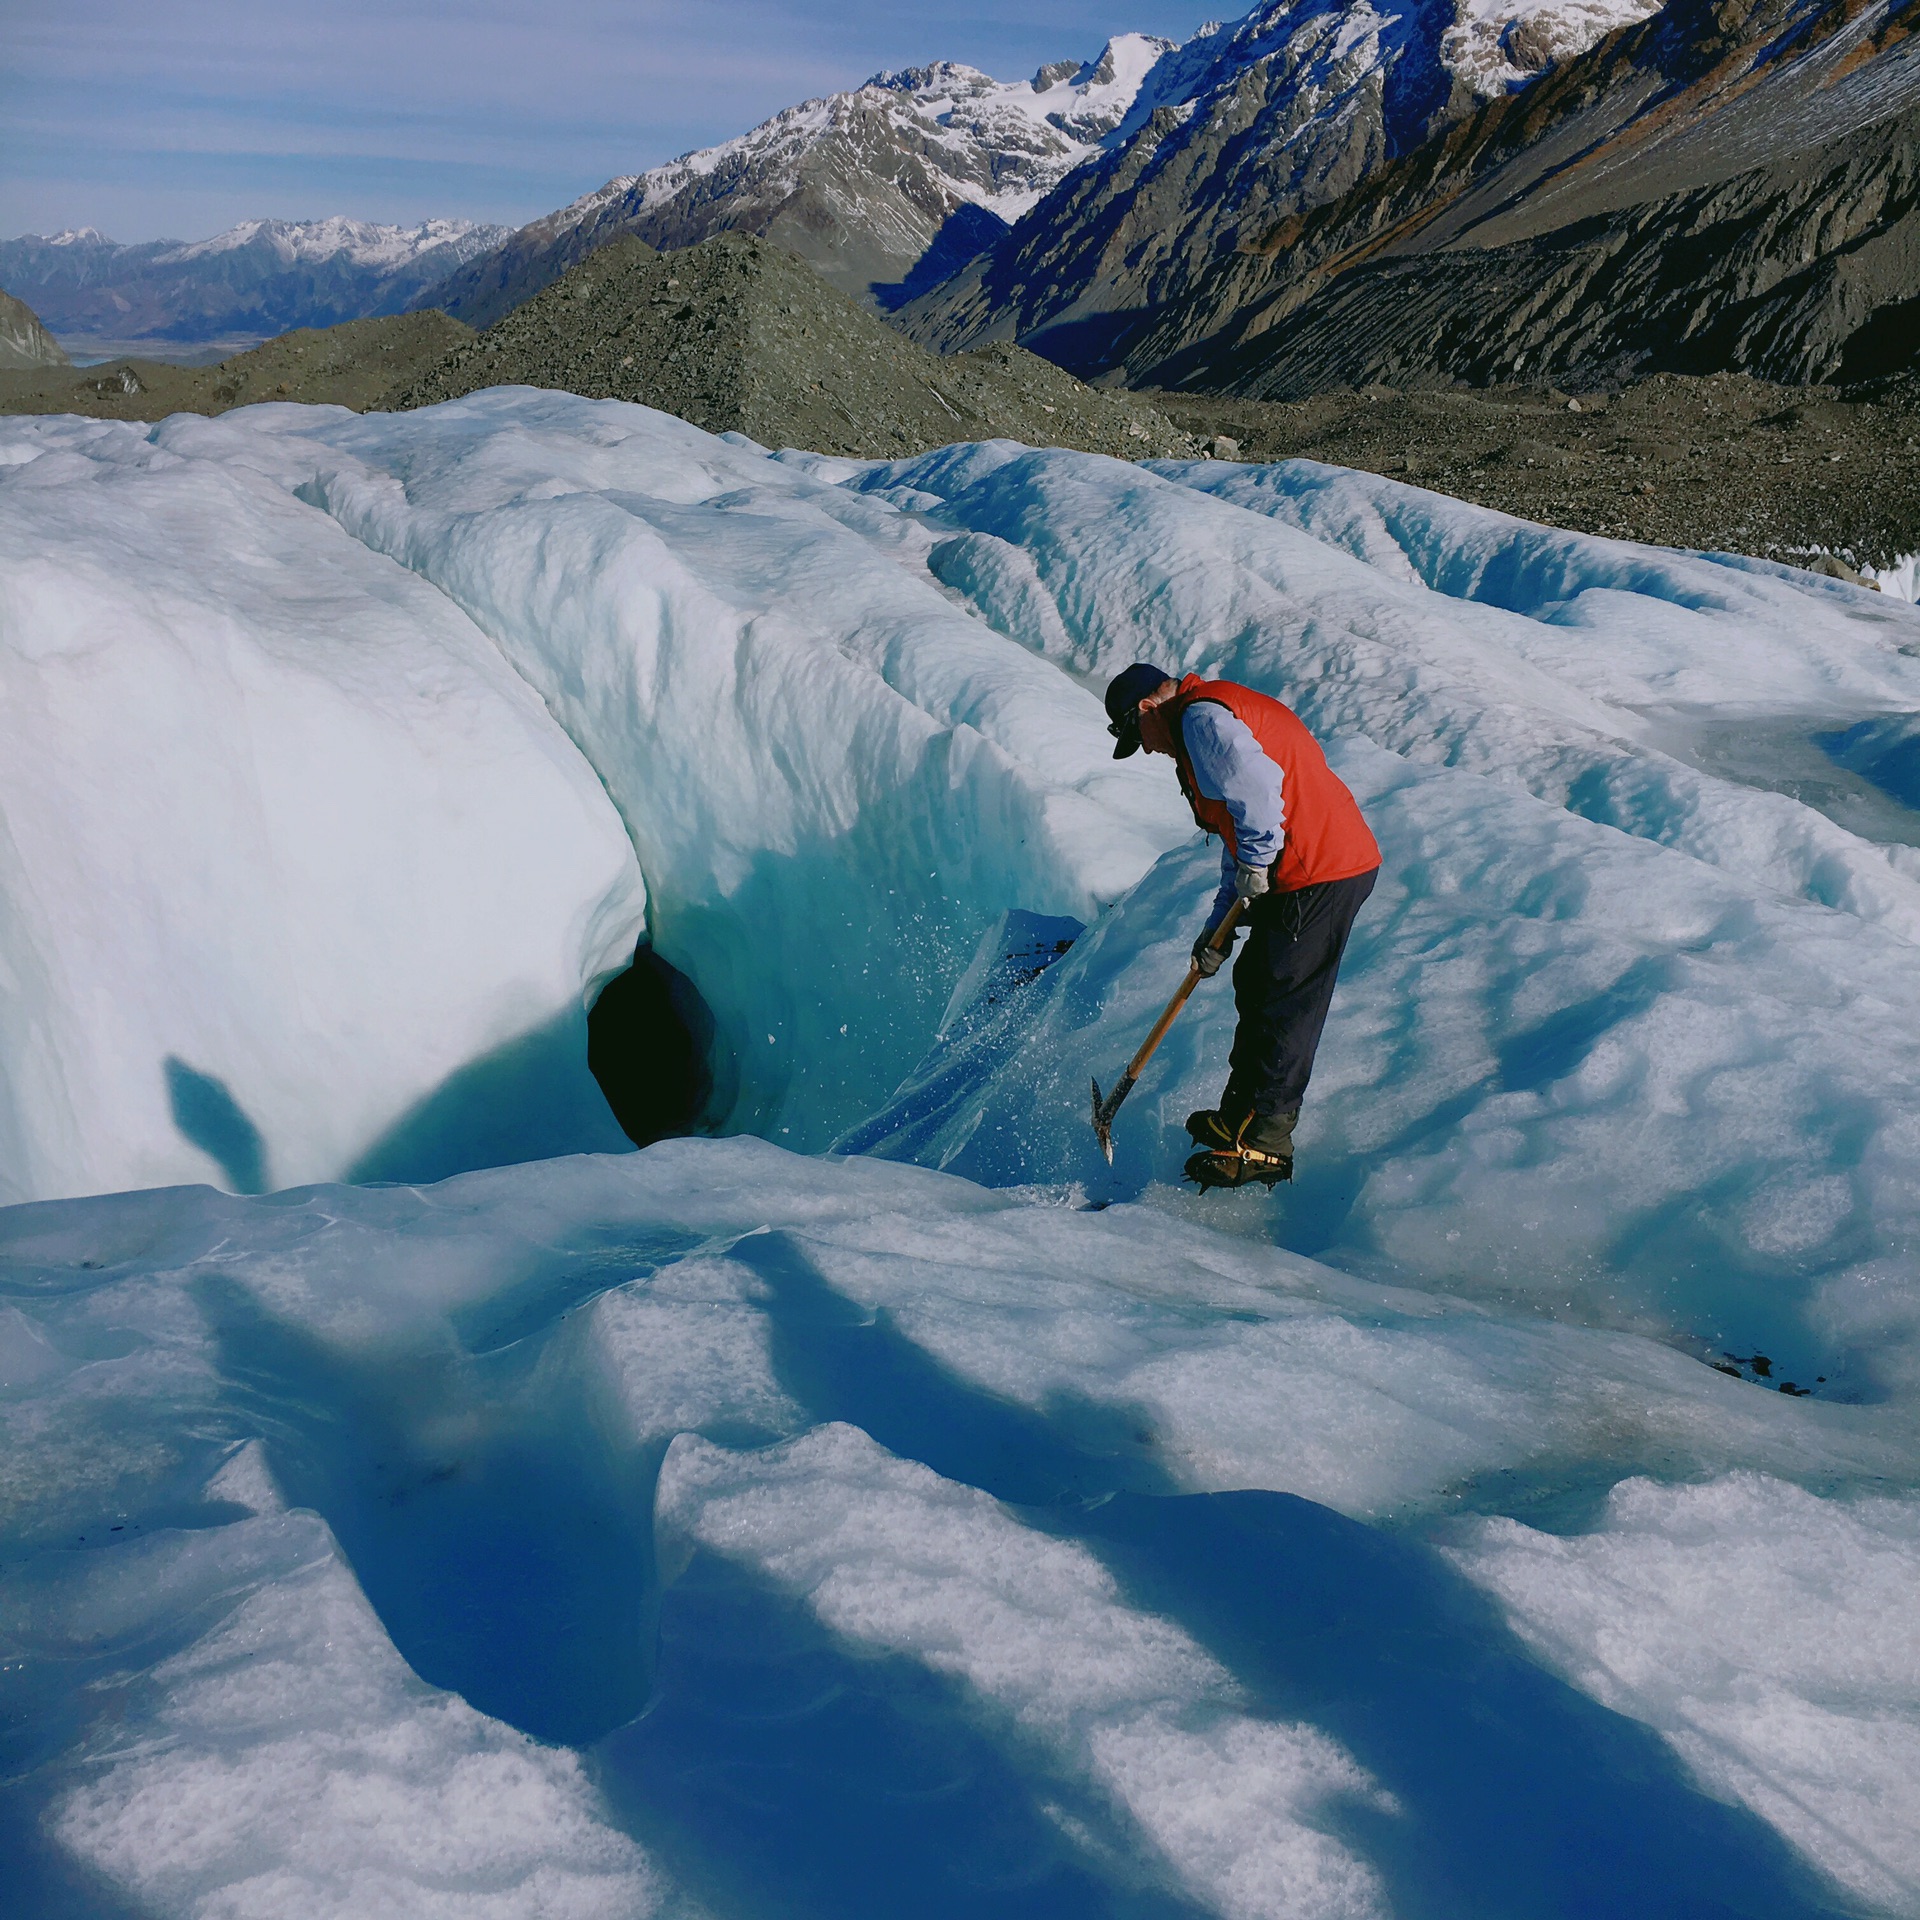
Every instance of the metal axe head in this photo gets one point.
(1102, 1124)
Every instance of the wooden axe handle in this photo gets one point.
(1222, 935)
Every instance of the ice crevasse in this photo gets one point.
(1433, 1538)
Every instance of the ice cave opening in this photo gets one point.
(651, 1043)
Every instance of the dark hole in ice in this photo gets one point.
(650, 1042)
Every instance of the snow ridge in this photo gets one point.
(1004, 144)
(364, 243)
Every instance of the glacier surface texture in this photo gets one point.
(414, 1503)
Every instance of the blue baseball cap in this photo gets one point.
(1125, 691)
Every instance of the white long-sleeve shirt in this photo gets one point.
(1229, 766)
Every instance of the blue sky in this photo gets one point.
(180, 117)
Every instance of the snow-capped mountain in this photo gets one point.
(1273, 114)
(360, 242)
(912, 170)
(995, 144)
(1495, 47)
(256, 279)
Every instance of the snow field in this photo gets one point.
(1006, 1492)
(1214, 1368)
(509, 1355)
(1568, 1067)
(290, 1762)
(891, 1556)
(1768, 1634)
(1448, 633)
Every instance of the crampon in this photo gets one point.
(1238, 1167)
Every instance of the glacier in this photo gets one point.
(878, 1503)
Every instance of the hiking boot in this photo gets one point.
(1220, 1126)
(1238, 1167)
(1229, 1125)
(1239, 1149)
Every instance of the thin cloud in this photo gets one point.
(156, 118)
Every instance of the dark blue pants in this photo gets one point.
(1282, 987)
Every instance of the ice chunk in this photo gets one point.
(1901, 579)
(246, 1480)
(1769, 1634)
(286, 848)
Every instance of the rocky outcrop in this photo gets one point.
(738, 335)
(883, 190)
(24, 342)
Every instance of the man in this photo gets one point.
(1300, 856)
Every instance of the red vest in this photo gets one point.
(1326, 838)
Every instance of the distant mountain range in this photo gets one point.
(260, 278)
(1070, 211)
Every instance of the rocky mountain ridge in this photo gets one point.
(738, 335)
(1292, 107)
(883, 188)
(1729, 186)
(24, 342)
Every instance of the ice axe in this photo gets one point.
(1104, 1110)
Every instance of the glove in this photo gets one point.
(1208, 958)
(1250, 882)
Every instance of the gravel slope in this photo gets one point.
(737, 335)
(358, 365)
(1722, 462)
